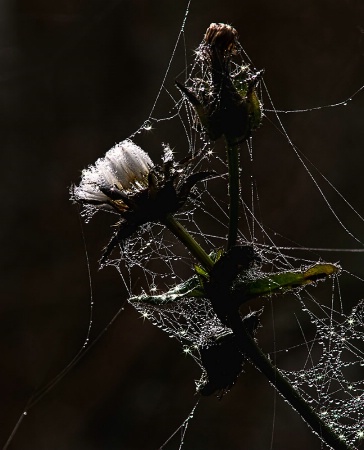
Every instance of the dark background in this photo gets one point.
(77, 76)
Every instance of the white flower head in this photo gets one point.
(125, 181)
(124, 168)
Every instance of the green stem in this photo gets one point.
(183, 235)
(248, 345)
(233, 165)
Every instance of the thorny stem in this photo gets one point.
(184, 236)
(233, 164)
(250, 348)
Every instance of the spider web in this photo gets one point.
(326, 363)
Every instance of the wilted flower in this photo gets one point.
(226, 104)
(222, 37)
(126, 181)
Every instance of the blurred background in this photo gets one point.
(78, 76)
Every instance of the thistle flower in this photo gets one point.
(126, 181)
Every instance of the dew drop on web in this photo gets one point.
(147, 126)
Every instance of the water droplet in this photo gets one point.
(147, 126)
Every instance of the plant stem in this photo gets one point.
(233, 165)
(184, 236)
(250, 348)
(246, 342)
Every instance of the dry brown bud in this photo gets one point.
(221, 36)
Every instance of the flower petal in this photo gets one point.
(125, 166)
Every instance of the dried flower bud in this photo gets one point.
(225, 101)
(221, 36)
